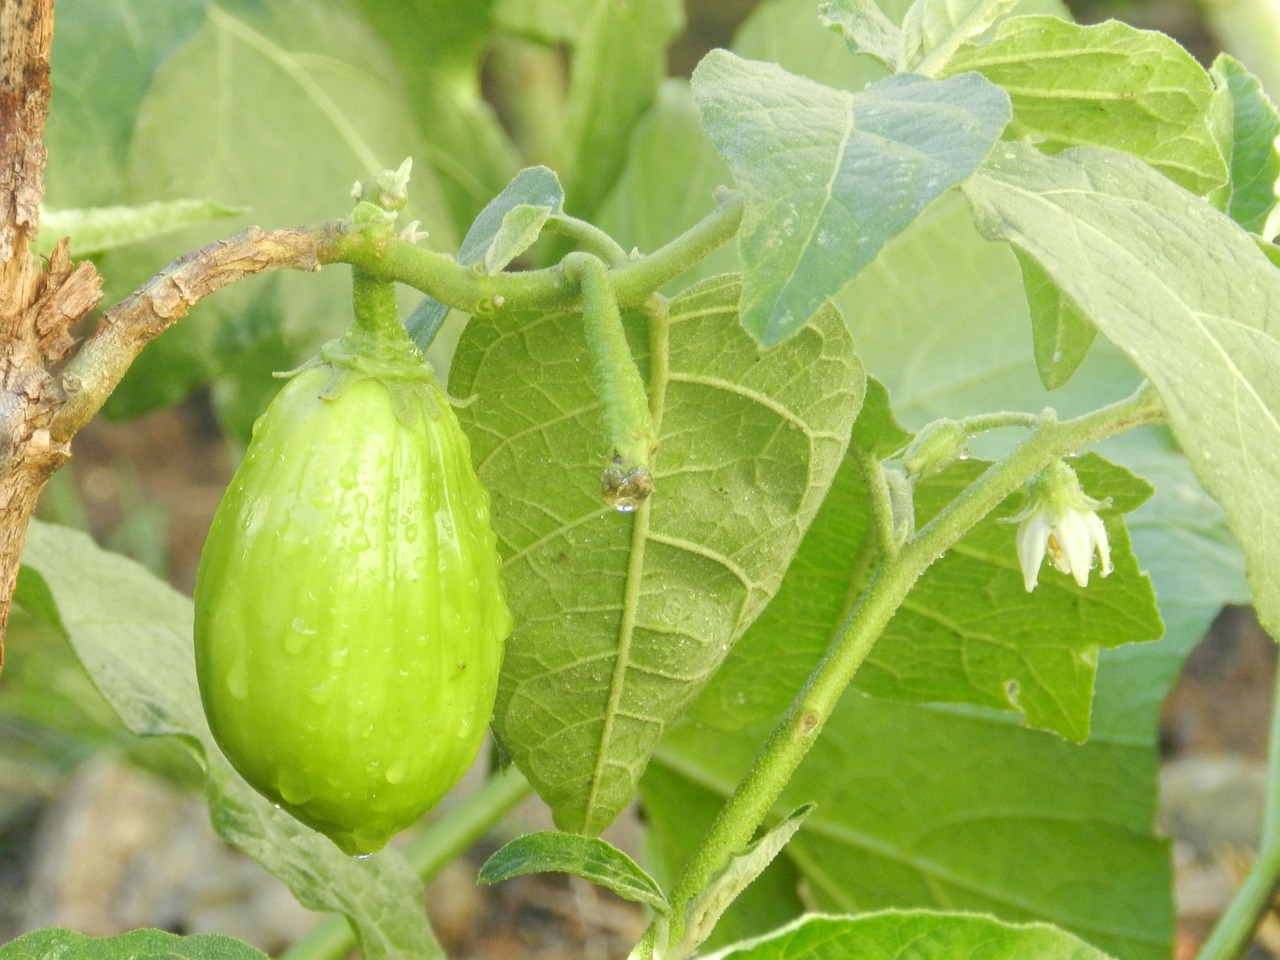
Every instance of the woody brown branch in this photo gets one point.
(30, 297)
(98, 366)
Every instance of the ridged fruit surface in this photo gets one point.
(349, 620)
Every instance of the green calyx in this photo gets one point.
(361, 354)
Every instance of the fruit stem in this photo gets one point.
(375, 307)
(628, 422)
(446, 838)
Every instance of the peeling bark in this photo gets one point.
(28, 457)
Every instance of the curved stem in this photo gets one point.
(460, 287)
(753, 799)
(982, 422)
(436, 846)
(589, 237)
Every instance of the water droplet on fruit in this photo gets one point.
(294, 786)
(396, 773)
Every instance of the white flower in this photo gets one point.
(1061, 521)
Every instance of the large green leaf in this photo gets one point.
(621, 618)
(1185, 293)
(133, 634)
(335, 114)
(957, 809)
(940, 318)
(968, 632)
(828, 177)
(134, 945)
(1104, 85)
(913, 935)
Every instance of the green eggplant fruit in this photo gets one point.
(349, 619)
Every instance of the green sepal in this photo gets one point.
(396, 364)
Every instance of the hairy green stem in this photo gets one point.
(374, 304)
(589, 238)
(982, 422)
(879, 499)
(464, 288)
(628, 423)
(751, 803)
(436, 846)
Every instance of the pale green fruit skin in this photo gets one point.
(349, 619)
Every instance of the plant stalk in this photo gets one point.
(441, 276)
(752, 801)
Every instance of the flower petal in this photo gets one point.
(1033, 540)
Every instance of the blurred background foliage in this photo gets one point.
(269, 109)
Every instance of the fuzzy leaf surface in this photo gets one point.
(968, 631)
(940, 318)
(554, 851)
(933, 29)
(865, 28)
(133, 634)
(621, 618)
(913, 935)
(828, 176)
(1186, 294)
(1253, 150)
(1107, 85)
